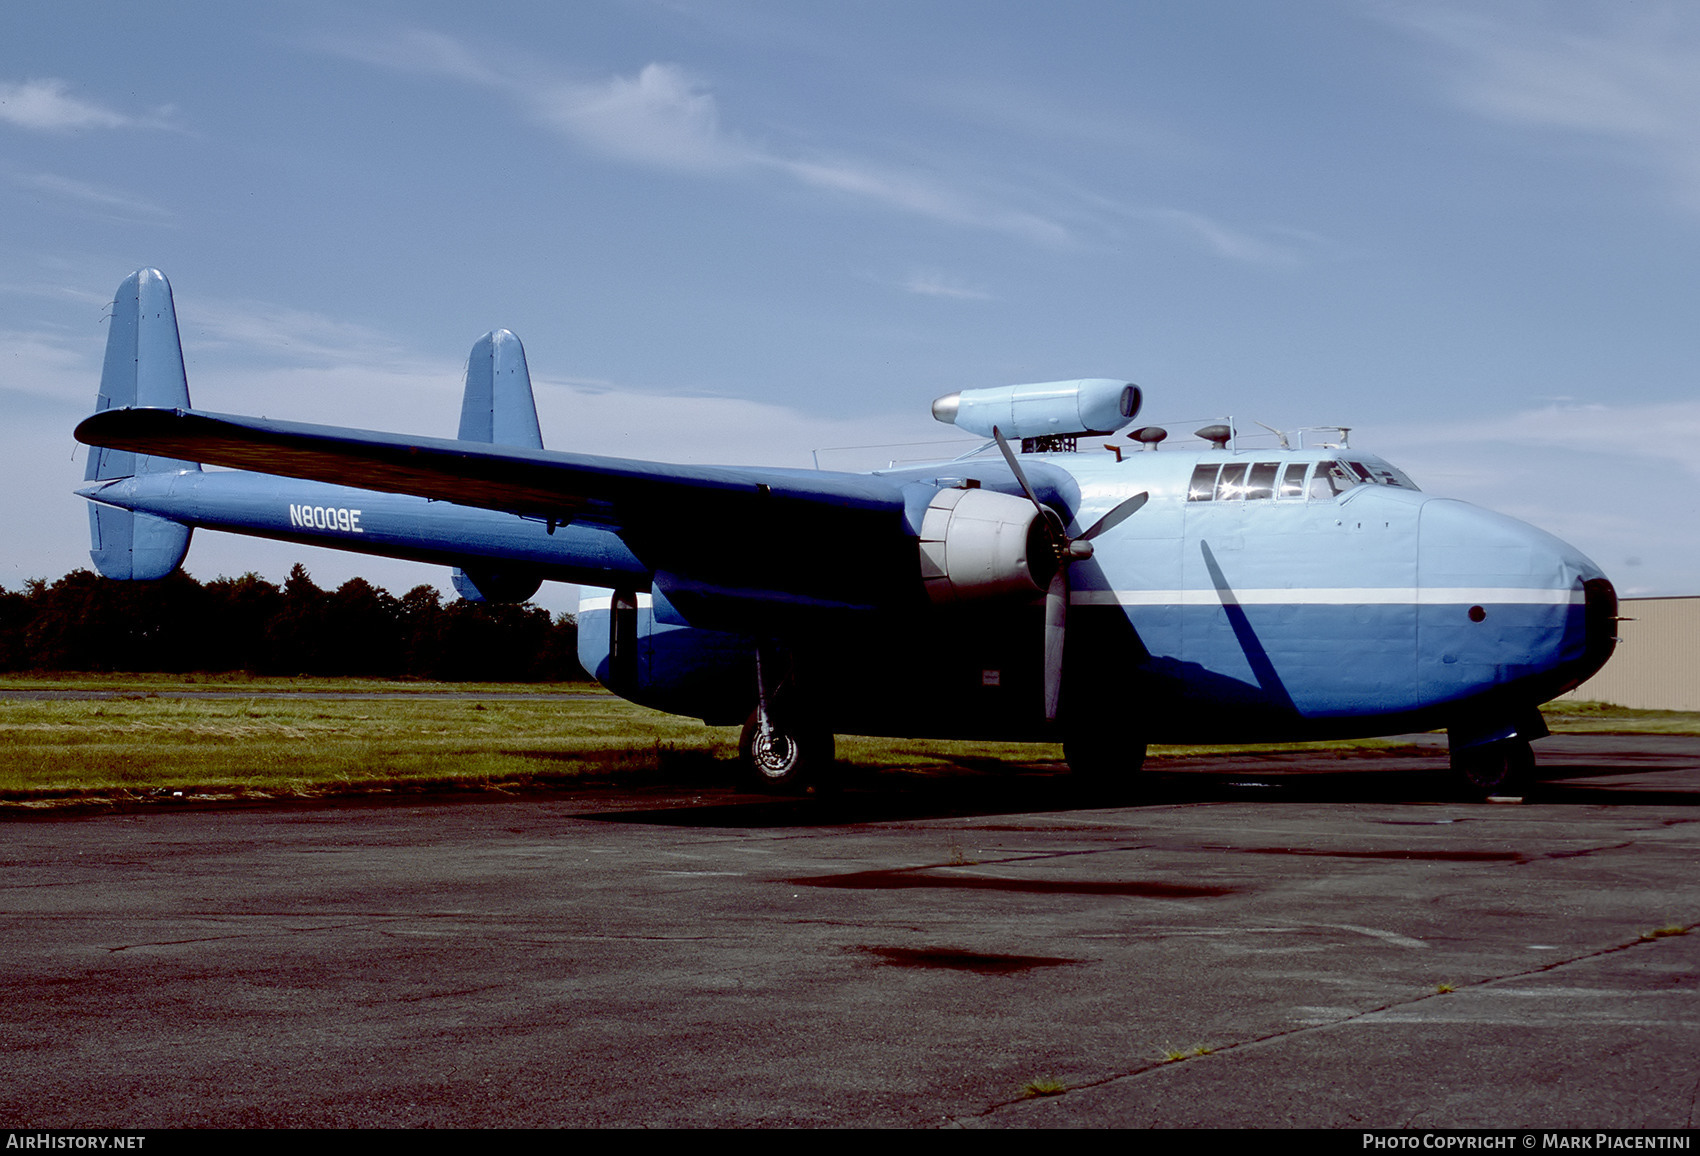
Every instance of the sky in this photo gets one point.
(743, 231)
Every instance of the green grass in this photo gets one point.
(145, 742)
(309, 746)
(273, 684)
(1666, 931)
(142, 742)
(1598, 718)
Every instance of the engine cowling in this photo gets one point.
(979, 544)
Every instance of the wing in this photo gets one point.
(729, 545)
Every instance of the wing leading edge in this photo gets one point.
(729, 545)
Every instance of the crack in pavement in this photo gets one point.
(1273, 1037)
(232, 935)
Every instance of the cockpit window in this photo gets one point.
(1250, 481)
(1203, 485)
(1293, 480)
(1262, 481)
(1331, 479)
(1231, 485)
(1382, 474)
(1334, 478)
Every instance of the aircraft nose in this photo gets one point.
(1501, 602)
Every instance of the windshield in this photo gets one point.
(1289, 481)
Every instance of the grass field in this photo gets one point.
(143, 742)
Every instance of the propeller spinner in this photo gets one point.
(1068, 550)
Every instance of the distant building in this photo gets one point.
(1657, 664)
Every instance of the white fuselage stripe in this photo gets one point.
(1311, 596)
(1337, 596)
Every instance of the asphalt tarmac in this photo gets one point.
(1282, 941)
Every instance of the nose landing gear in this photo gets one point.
(1502, 768)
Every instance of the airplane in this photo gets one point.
(1214, 594)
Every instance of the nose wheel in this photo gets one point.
(1502, 768)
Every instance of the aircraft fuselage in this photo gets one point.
(1276, 616)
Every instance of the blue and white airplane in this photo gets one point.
(1207, 595)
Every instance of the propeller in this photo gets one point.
(1068, 550)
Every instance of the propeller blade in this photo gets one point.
(1015, 467)
(1115, 517)
(1068, 550)
(1056, 631)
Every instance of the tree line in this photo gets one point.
(84, 622)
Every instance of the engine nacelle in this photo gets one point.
(1092, 405)
(982, 544)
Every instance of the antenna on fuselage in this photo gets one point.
(1342, 430)
(1217, 435)
(1149, 436)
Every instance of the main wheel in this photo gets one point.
(1102, 766)
(780, 758)
(1505, 768)
(1100, 759)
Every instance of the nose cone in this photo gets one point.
(1502, 605)
(946, 407)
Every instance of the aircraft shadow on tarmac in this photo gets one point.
(1005, 789)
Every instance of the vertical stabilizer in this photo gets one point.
(498, 409)
(143, 367)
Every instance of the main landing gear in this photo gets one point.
(781, 749)
(1104, 761)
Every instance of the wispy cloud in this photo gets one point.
(921, 196)
(664, 117)
(1277, 245)
(1630, 80)
(93, 197)
(47, 106)
(1658, 430)
(49, 363)
(931, 284)
(659, 117)
(1222, 239)
(265, 331)
(1616, 480)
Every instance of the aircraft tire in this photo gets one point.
(1505, 768)
(785, 761)
(1104, 762)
